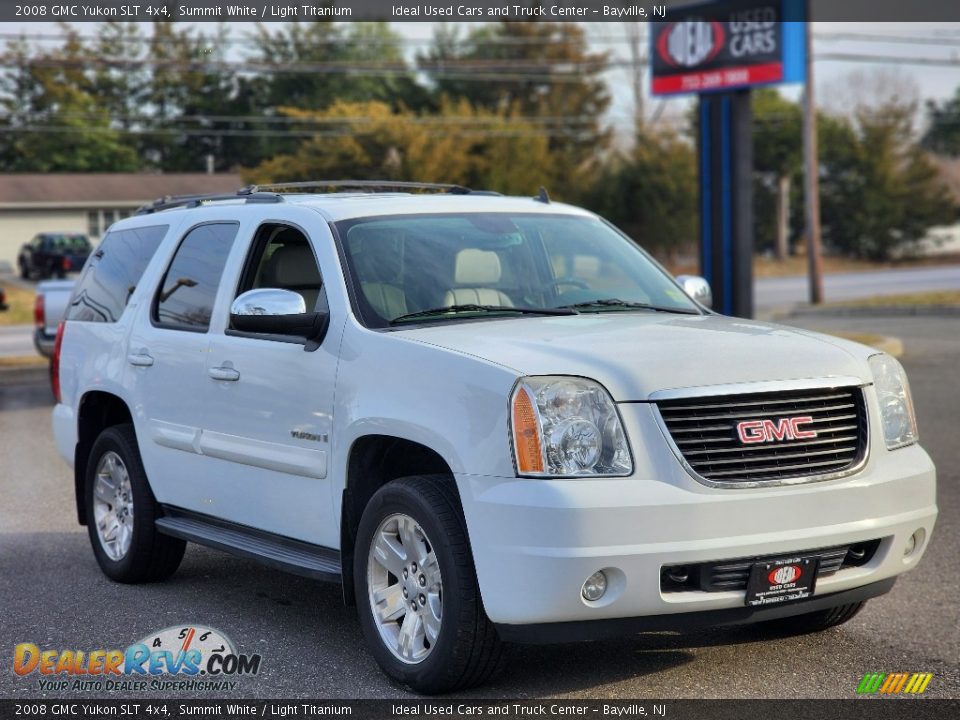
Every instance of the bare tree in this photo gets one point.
(871, 89)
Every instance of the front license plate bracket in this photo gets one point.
(783, 580)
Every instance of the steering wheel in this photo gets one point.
(576, 282)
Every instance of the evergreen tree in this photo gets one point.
(53, 120)
(943, 134)
(651, 193)
(555, 77)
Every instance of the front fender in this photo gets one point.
(455, 404)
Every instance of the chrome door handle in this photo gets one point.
(140, 359)
(224, 373)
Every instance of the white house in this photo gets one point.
(88, 203)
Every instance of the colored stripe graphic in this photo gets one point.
(894, 683)
(871, 683)
(918, 683)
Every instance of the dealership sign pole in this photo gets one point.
(720, 51)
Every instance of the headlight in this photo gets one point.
(896, 405)
(567, 427)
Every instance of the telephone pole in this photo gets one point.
(812, 175)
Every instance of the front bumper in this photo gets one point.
(536, 541)
(564, 632)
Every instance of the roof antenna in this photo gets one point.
(543, 196)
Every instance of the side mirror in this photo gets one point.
(271, 311)
(697, 288)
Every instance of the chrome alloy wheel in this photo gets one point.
(405, 588)
(113, 506)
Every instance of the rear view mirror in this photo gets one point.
(272, 311)
(697, 288)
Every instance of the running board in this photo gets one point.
(283, 553)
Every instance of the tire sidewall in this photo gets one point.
(387, 501)
(117, 439)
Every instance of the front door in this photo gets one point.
(269, 402)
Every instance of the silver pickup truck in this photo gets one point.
(50, 306)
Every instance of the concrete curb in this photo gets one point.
(878, 311)
(890, 345)
(22, 361)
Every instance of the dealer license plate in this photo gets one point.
(783, 580)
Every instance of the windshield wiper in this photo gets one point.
(471, 307)
(618, 303)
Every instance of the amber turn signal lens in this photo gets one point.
(526, 436)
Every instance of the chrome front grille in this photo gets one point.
(738, 439)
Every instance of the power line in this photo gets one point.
(475, 70)
(229, 132)
(347, 40)
(283, 119)
(568, 72)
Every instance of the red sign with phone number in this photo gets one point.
(697, 81)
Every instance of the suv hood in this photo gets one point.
(636, 354)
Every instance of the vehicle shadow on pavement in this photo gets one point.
(547, 670)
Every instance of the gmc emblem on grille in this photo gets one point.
(763, 431)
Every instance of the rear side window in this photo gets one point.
(185, 299)
(112, 273)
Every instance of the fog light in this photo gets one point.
(856, 554)
(595, 586)
(914, 543)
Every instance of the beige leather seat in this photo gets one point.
(388, 300)
(474, 273)
(378, 268)
(293, 267)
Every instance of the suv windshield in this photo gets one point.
(436, 268)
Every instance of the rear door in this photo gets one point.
(166, 363)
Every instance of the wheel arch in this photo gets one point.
(372, 462)
(97, 411)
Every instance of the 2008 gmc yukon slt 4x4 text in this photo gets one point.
(493, 419)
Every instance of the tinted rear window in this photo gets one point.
(70, 243)
(186, 296)
(112, 273)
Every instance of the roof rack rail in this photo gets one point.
(170, 202)
(368, 185)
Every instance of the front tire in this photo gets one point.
(416, 588)
(121, 511)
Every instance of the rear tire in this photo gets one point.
(121, 513)
(812, 622)
(429, 630)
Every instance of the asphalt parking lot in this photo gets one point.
(53, 594)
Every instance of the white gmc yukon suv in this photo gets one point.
(492, 419)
